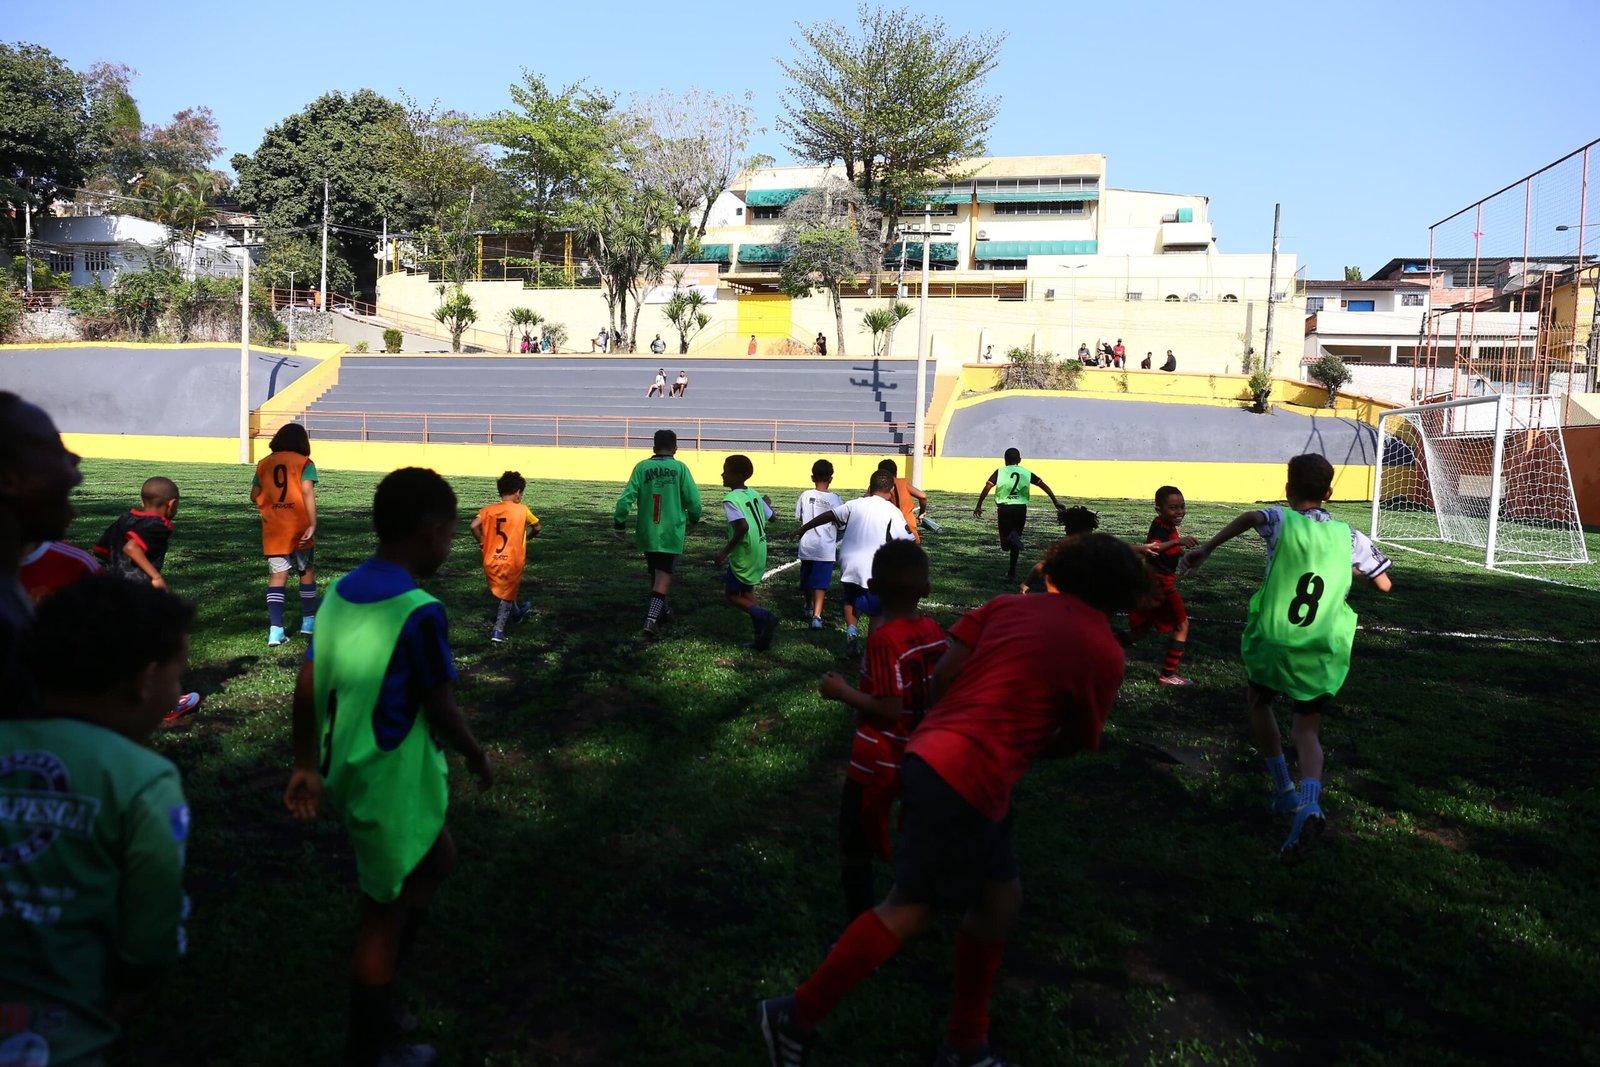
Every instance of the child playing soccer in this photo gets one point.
(1077, 522)
(502, 531)
(134, 547)
(375, 692)
(1300, 630)
(1009, 696)
(748, 513)
(889, 703)
(1165, 612)
(869, 523)
(285, 489)
(1011, 485)
(668, 501)
(911, 501)
(93, 823)
(819, 545)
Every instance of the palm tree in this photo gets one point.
(179, 201)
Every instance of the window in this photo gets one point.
(1004, 264)
(913, 209)
(94, 262)
(759, 213)
(1358, 305)
(1048, 207)
(60, 262)
(1314, 304)
(1411, 300)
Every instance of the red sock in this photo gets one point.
(865, 945)
(1174, 657)
(977, 961)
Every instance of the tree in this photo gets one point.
(180, 202)
(46, 144)
(686, 310)
(694, 145)
(455, 312)
(300, 257)
(1331, 373)
(446, 173)
(898, 100)
(552, 145)
(880, 322)
(831, 238)
(520, 320)
(1352, 274)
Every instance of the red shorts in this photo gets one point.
(1165, 615)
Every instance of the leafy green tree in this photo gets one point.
(1331, 373)
(831, 238)
(455, 312)
(686, 310)
(446, 173)
(897, 99)
(520, 320)
(44, 279)
(693, 145)
(11, 314)
(1352, 274)
(302, 256)
(46, 142)
(880, 322)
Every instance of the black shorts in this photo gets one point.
(850, 592)
(947, 850)
(1318, 706)
(661, 561)
(1011, 519)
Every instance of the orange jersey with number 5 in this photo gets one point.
(505, 546)
(278, 493)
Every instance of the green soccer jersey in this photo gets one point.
(748, 560)
(668, 500)
(1300, 630)
(1012, 483)
(92, 832)
(393, 799)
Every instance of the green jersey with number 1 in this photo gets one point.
(1300, 630)
(668, 501)
(748, 560)
(1011, 484)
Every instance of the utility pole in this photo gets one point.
(291, 311)
(324, 305)
(919, 436)
(244, 353)
(1272, 290)
(27, 245)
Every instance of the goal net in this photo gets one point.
(1485, 472)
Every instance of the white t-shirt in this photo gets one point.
(823, 542)
(869, 524)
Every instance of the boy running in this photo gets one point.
(911, 501)
(999, 709)
(819, 546)
(889, 703)
(1011, 485)
(285, 489)
(93, 823)
(502, 531)
(375, 692)
(1300, 630)
(869, 524)
(1165, 612)
(668, 501)
(748, 513)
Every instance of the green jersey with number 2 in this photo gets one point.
(1298, 637)
(1012, 483)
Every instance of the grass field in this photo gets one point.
(658, 853)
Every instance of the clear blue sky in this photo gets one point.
(1369, 121)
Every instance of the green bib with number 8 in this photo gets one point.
(1298, 637)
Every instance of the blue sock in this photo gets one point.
(759, 616)
(275, 605)
(308, 600)
(851, 631)
(1279, 769)
(1310, 791)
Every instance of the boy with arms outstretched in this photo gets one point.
(1009, 695)
(870, 522)
(375, 691)
(1300, 630)
(748, 513)
(1164, 611)
(668, 501)
(889, 702)
(285, 490)
(93, 824)
(502, 531)
(1011, 485)
(820, 544)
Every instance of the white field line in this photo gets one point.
(1485, 567)
(780, 570)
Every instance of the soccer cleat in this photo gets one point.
(764, 634)
(651, 629)
(186, 706)
(1286, 802)
(307, 624)
(816, 622)
(787, 1046)
(852, 644)
(275, 636)
(522, 611)
(1173, 679)
(950, 1056)
(497, 636)
(1309, 822)
(408, 1056)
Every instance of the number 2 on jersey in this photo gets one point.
(1016, 480)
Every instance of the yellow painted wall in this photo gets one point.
(766, 315)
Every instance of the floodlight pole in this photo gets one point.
(920, 434)
(324, 305)
(244, 354)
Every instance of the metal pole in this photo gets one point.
(27, 246)
(291, 311)
(244, 354)
(324, 305)
(1497, 475)
(1377, 474)
(919, 435)
(1272, 290)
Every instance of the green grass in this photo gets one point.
(659, 850)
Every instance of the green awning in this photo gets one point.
(710, 254)
(772, 197)
(938, 252)
(1023, 249)
(762, 254)
(1035, 196)
(914, 204)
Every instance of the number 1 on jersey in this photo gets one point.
(655, 508)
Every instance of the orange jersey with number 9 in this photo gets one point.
(505, 546)
(278, 493)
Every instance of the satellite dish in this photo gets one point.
(1194, 298)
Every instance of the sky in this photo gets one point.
(1367, 121)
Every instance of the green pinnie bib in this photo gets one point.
(1298, 637)
(748, 560)
(1012, 484)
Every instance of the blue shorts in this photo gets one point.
(732, 585)
(815, 574)
(857, 597)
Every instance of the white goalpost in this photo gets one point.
(1486, 472)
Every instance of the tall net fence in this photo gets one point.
(1513, 306)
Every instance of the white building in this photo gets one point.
(102, 246)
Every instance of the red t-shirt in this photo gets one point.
(899, 662)
(52, 567)
(1040, 666)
